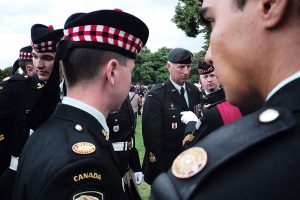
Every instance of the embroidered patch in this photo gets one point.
(87, 175)
(88, 195)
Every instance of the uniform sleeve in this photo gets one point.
(134, 161)
(87, 178)
(153, 133)
(6, 109)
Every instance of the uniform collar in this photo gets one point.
(178, 87)
(283, 83)
(89, 109)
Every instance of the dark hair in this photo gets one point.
(132, 88)
(83, 64)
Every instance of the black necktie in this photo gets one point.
(182, 93)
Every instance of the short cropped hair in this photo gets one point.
(83, 64)
(24, 63)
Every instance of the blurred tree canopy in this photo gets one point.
(5, 73)
(151, 67)
(187, 18)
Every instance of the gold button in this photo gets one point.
(268, 116)
(78, 127)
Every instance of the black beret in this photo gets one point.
(44, 38)
(180, 56)
(204, 68)
(112, 30)
(25, 53)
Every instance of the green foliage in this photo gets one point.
(144, 188)
(151, 67)
(5, 73)
(187, 18)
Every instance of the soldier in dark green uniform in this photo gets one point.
(254, 46)
(18, 96)
(162, 127)
(122, 136)
(70, 155)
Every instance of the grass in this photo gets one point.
(144, 188)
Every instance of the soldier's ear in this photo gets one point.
(272, 12)
(111, 71)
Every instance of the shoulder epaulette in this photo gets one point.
(17, 77)
(158, 86)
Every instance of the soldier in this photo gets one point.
(25, 62)
(70, 156)
(17, 97)
(254, 46)
(121, 128)
(162, 128)
(214, 111)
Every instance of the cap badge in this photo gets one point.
(268, 115)
(189, 162)
(83, 148)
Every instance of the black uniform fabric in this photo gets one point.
(248, 159)
(121, 130)
(17, 96)
(4, 154)
(213, 98)
(210, 115)
(163, 130)
(50, 169)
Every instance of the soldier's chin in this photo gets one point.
(43, 78)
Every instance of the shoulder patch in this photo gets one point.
(93, 195)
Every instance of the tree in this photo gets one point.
(5, 73)
(187, 18)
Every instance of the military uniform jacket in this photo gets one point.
(121, 130)
(17, 96)
(67, 157)
(162, 128)
(256, 157)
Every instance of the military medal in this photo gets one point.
(83, 148)
(189, 162)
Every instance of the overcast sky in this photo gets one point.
(17, 17)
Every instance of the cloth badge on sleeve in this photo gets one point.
(88, 195)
